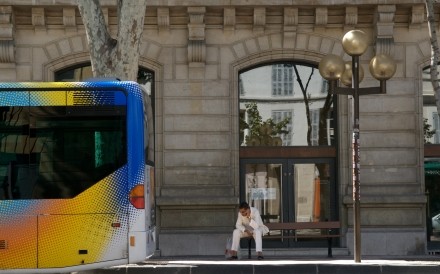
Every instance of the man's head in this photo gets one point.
(244, 209)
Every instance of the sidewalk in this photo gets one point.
(298, 265)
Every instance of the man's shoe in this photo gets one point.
(260, 257)
(233, 258)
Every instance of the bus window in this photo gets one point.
(79, 151)
(17, 173)
(47, 152)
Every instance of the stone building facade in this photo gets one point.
(197, 49)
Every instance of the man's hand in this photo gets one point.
(248, 233)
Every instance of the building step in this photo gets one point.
(297, 252)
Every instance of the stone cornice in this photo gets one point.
(196, 35)
(6, 35)
(230, 3)
(163, 19)
(260, 18)
(385, 29)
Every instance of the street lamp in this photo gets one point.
(333, 68)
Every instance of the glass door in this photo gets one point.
(312, 191)
(290, 190)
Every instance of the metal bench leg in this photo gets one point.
(249, 247)
(329, 252)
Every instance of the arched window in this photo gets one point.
(431, 119)
(285, 104)
(287, 144)
(83, 71)
(431, 137)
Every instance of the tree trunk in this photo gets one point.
(435, 51)
(323, 115)
(111, 57)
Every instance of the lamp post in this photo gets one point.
(350, 74)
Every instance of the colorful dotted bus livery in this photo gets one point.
(74, 183)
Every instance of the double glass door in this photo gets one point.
(290, 190)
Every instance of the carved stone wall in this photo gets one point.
(197, 50)
(6, 35)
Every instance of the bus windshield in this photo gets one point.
(57, 152)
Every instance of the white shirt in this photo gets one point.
(254, 221)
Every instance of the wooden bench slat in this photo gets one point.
(303, 225)
(301, 236)
(327, 226)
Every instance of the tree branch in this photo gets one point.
(306, 103)
(435, 51)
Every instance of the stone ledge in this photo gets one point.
(177, 3)
(401, 199)
(197, 201)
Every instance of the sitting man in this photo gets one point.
(248, 224)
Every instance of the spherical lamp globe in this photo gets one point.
(331, 67)
(355, 42)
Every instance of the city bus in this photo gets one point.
(76, 176)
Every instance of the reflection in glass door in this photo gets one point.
(290, 191)
(311, 192)
(263, 188)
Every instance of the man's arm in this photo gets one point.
(257, 218)
(239, 224)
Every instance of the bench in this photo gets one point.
(327, 231)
